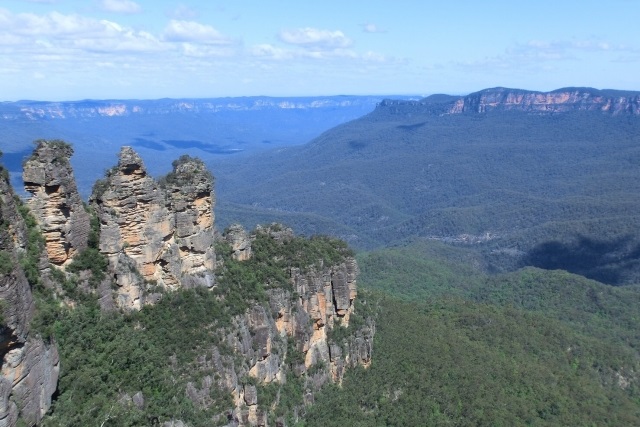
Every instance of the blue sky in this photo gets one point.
(101, 49)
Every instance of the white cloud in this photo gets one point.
(372, 28)
(120, 6)
(205, 51)
(190, 31)
(564, 49)
(315, 38)
(270, 52)
(80, 54)
(56, 34)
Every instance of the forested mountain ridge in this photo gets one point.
(512, 172)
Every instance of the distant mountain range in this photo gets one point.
(36, 110)
(161, 130)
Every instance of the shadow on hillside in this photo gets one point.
(614, 262)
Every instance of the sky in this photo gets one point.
(59, 50)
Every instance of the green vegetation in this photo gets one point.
(186, 176)
(63, 150)
(6, 263)
(4, 172)
(30, 260)
(159, 350)
(539, 184)
(453, 362)
(243, 283)
(107, 356)
(455, 346)
(90, 258)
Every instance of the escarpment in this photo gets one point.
(163, 229)
(29, 365)
(307, 331)
(505, 99)
(55, 202)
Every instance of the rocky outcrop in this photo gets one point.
(303, 331)
(151, 232)
(326, 302)
(505, 99)
(55, 202)
(29, 366)
(190, 192)
(557, 101)
(161, 234)
(240, 242)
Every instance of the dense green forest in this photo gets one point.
(453, 346)
(529, 185)
(457, 347)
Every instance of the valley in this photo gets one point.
(495, 249)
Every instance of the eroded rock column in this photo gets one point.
(156, 232)
(55, 202)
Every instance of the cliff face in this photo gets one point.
(190, 192)
(164, 231)
(29, 366)
(35, 110)
(55, 202)
(297, 334)
(504, 99)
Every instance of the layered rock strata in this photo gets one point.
(29, 365)
(156, 233)
(55, 202)
(504, 99)
(294, 334)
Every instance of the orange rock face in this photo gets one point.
(55, 202)
(165, 228)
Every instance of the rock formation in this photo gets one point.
(29, 365)
(156, 233)
(55, 202)
(505, 99)
(301, 318)
(161, 234)
(240, 242)
(190, 192)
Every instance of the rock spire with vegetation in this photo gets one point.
(156, 232)
(55, 202)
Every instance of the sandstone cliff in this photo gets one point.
(505, 99)
(153, 233)
(29, 365)
(55, 202)
(300, 333)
